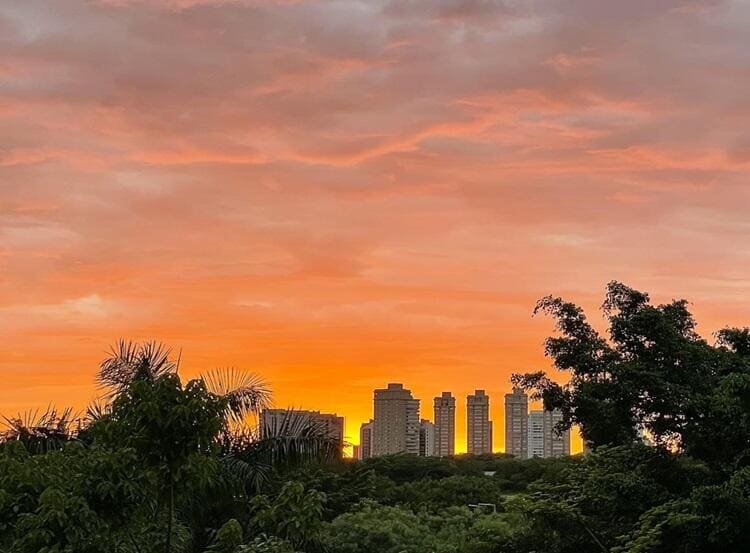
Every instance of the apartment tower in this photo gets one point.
(445, 424)
(556, 443)
(478, 424)
(365, 440)
(426, 438)
(536, 434)
(396, 423)
(516, 423)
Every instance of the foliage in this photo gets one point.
(76, 498)
(150, 470)
(295, 515)
(654, 373)
(266, 544)
(40, 432)
(163, 465)
(228, 539)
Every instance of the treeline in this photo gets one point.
(167, 466)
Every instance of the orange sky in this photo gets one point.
(341, 194)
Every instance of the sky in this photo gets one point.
(337, 195)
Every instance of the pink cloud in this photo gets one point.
(373, 187)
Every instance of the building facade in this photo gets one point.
(556, 443)
(536, 434)
(426, 438)
(396, 421)
(478, 424)
(516, 423)
(445, 424)
(365, 440)
(544, 439)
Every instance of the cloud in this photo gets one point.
(375, 187)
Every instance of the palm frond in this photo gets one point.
(281, 440)
(127, 361)
(39, 431)
(97, 410)
(297, 438)
(253, 475)
(292, 437)
(246, 393)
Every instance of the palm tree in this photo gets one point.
(128, 361)
(255, 453)
(249, 454)
(245, 394)
(40, 432)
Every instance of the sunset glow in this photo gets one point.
(338, 195)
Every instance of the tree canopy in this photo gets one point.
(163, 465)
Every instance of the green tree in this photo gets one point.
(654, 372)
(73, 499)
(169, 427)
(160, 465)
(295, 515)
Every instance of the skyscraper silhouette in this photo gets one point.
(516, 423)
(478, 424)
(445, 424)
(396, 422)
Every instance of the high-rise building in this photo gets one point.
(365, 440)
(556, 443)
(445, 424)
(535, 434)
(478, 424)
(543, 439)
(396, 422)
(516, 423)
(426, 438)
(274, 422)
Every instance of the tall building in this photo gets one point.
(516, 423)
(535, 434)
(278, 421)
(479, 426)
(396, 422)
(556, 443)
(365, 440)
(426, 438)
(445, 424)
(544, 441)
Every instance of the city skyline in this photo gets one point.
(318, 189)
(399, 426)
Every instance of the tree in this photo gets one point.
(169, 427)
(157, 465)
(654, 373)
(40, 432)
(177, 429)
(295, 515)
(71, 499)
(713, 518)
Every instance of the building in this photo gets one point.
(445, 424)
(365, 440)
(426, 438)
(478, 424)
(556, 443)
(396, 422)
(276, 422)
(536, 434)
(516, 423)
(544, 440)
